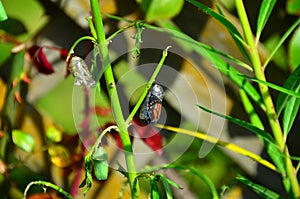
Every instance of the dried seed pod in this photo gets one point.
(80, 71)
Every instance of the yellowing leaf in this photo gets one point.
(59, 156)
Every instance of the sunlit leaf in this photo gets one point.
(264, 192)
(23, 140)
(161, 9)
(54, 134)
(294, 49)
(264, 14)
(100, 160)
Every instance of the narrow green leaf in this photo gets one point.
(218, 17)
(276, 155)
(260, 190)
(282, 40)
(212, 55)
(230, 27)
(100, 160)
(154, 188)
(280, 57)
(23, 140)
(276, 87)
(236, 40)
(88, 180)
(253, 116)
(290, 113)
(265, 135)
(191, 170)
(174, 184)
(241, 82)
(292, 83)
(167, 186)
(264, 14)
(190, 44)
(271, 149)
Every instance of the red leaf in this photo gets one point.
(102, 111)
(25, 78)
(150, 135)
(18, 97)
(40, 60)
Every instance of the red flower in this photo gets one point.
(40, 60)
(102, 111)
(149, 134)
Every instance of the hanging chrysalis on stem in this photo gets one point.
(80, 71)
(151, 108)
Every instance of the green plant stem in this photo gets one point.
(115, 103)
(99, 139)
(77, 42)
(259, 73)
(150, 82)
(47, 184)
(270, 110)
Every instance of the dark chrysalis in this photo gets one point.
(80, 71)
(151, 108)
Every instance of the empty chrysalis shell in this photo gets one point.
(80, 71)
